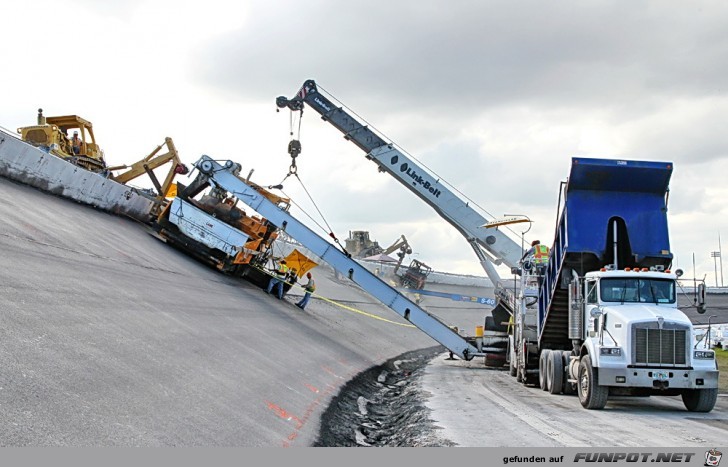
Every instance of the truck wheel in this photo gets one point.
(568, 387)
(591, 395)
(555, 374)
(495, 360)
(543, 358)
(700, 400)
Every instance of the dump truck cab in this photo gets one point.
(639, 340)
(55, 136)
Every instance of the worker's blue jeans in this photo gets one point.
(304, 300)
(273, 282)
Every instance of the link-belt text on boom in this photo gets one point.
(417, 178)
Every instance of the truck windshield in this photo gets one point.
(634, 290)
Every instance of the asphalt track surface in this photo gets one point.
(109, 337)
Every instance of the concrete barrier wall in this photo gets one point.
(27, 164)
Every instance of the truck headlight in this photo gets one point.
(611, 351)
(704, 354)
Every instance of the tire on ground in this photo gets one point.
(495, 360)
(542, 359)
(700, 400)
(556, 372)
(591, 395)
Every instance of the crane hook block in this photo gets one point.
(294, 148)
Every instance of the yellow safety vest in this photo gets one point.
(282, 270)
(540, 254)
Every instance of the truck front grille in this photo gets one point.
(652, 346)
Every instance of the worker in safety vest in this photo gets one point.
(277, 278)
(538, 255)
(310, 287)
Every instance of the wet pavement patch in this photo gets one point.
(383, 406)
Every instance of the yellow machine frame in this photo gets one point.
(148, 164)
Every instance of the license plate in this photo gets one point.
(660, 375)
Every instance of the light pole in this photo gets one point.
(715, 255)
(720, 251)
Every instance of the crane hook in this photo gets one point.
(294, 149)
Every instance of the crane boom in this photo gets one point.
(225, 177)
(490, 245)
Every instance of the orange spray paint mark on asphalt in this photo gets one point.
(285, 415)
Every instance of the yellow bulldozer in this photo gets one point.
(52, 134)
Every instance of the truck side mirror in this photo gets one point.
(701, 298)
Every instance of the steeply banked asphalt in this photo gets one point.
(110, 337)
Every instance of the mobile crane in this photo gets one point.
(568, 333)
(211, 226)
(224, 178)
(491, 246)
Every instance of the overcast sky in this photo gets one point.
(493, 96)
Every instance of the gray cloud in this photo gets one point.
(450, 56)
(496, 96)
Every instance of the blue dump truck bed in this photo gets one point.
(632, 193)
(605, 200)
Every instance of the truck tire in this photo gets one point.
(568, 388)
(700, 400)
(495, 360)
(543, 358)
(591, 395)
(555, 373)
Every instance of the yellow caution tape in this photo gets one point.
(341, 305)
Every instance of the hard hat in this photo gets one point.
(535, 242)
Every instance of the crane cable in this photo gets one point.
(328, 227)
(294, 149)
